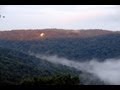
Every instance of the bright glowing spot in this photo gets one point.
(42, 35)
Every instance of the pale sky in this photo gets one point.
(60, 16)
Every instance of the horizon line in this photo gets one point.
(55, 29)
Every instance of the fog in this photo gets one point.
(107, 71)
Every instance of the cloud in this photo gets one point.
(107, 71)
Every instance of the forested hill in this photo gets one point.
(16, 66)
(38, 34)
(104, 46)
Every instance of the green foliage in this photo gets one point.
(16, 66)
(52, 80)
(100, 47)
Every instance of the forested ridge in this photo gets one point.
(15, 67)
(18, 67)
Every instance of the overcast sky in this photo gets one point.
(60, 16)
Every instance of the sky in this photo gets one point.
(60, 16)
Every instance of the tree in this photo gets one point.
(52, 80)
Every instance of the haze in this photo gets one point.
(60, 16)
(107, 71)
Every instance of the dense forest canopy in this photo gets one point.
(18, 67)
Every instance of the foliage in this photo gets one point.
(52, 80)
(100, 47)
(16, 66)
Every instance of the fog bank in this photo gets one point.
(107, 71)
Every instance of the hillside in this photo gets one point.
(102, 47)
(50, 33)
(16, 63)
(16, 66)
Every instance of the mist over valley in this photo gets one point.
(92, 55)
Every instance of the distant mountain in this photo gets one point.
(50, 33)
(85, 45)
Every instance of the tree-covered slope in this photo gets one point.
(16, 66)
(100, 47)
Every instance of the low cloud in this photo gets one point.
(107, 71)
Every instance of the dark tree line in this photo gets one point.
(16, 67)
(60, 79)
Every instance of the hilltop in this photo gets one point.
(35, 34)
